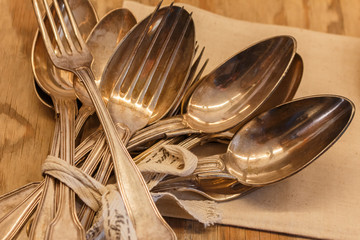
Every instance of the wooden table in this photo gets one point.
(26, 125)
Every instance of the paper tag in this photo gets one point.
(112, 221)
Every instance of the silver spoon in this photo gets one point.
(232, 93)
(271, 147)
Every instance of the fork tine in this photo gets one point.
(192, 87)
(63, 25)
(43, 29)
(42, 26)
(53, 27)
(175, 109)
(156, 64)
(74, 26)
(196, 48)
(125, 70)
(196, 64)
(145, 59)
(169, 64)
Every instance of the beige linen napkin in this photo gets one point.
(323, 200)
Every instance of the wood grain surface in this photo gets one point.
(26, 125)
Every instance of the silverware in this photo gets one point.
(128, 176)
(233, 92)
(54, 83)
(269, 148)
(84, 147)
(148, 60)
(285, 92)
(64, 100)
(102, 42)
(285, 139)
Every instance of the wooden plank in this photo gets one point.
(25, 123)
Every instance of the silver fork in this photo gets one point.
(76, 57)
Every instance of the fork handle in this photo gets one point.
(140, 206)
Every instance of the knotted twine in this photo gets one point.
(112, 220)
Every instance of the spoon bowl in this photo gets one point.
(239, 87)
(286, 139)
(42, 96)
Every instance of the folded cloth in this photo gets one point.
(322, 200)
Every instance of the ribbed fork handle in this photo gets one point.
(146, 219)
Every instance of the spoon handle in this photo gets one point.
(13, 220)
(146, 219)
(86, 214)
(66, 217)
(162, 122)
